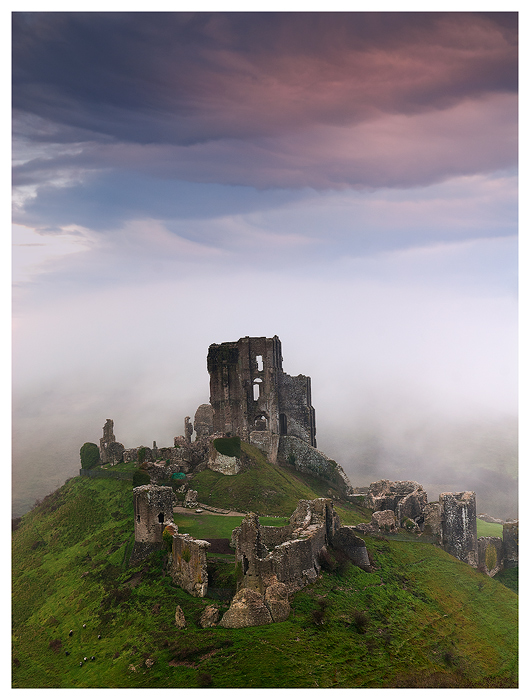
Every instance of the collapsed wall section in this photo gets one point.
(309, 460)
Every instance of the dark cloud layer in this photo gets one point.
(270, 100)
(181, 78)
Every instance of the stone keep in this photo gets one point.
(153, 509)
(253, 397)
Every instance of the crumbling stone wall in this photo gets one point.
(270, 569)
(451, 523)
(189, 565)
(406, 498)
(459, 526)
(510, 537)
(490, 555)
(250, 608)
(432, 522)
(114, 453)
(203, 421)
(295, 560)
(250, 393)
(309, 460)
(224, 464)
(295, 405)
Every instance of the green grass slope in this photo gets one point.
(259, 487)
(488, 529)
(421, 619)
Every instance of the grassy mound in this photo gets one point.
(421, 619)
(259, 487)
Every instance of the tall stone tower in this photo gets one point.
(254, 398)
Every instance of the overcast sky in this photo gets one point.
(347, 181)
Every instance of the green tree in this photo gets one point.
(89, 454)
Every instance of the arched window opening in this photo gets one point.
(161, 517)
(259, 360)
(283, 424)
(256, 387)
(260, 422)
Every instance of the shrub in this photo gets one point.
(360, 620)
(318, 617)
(141, 455)
(167, 538)
(56, 645)
(291, 459)
(205, 680)
(491, 557)
(228, 446)
(89, 454)
(186, 554)
(140, 477)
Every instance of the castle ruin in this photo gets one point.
(251, 396)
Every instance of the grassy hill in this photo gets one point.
(421, 619)
(260, 487)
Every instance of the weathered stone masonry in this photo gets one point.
(277, 561)
(250, 393)
(291, 554)
(153, 510)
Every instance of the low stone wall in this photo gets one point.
(106, 474)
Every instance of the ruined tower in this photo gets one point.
(459, 525)
(254, 398)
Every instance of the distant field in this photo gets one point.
(488, 529)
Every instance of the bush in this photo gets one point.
(204, 680)
(89, 454)
(228, 446)
(360, 620)
(140, 477)
(167, 538)
(491, 557)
